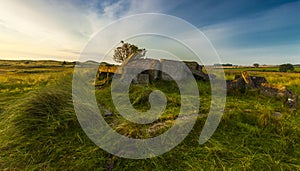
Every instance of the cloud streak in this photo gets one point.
(241, 31)
(48, 25)
(271, 36)
(58, 28)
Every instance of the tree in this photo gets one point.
(256, 65)
(123, 52)
(286, 67)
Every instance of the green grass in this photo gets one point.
(249, 137)
(297, 69)
(39, 129)
(261, 69)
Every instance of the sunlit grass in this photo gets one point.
(290, 80)
(39, 128)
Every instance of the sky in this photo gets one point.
(242, 32)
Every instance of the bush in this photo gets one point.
(256, 65)
(286, 67)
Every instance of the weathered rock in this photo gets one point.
(108, 113)
(144, 66)
(292, 101)
(175, 70)
(141, 79)
(237, 85)
(277, 115)
(257, 81)
(241, 82)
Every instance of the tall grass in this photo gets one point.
(39, 130)
(250, 136)
(16, 82)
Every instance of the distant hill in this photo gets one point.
(35, 64)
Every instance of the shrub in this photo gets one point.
(286, 67)
(256, 65)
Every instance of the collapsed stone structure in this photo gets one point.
(154, 70)
(245, 81)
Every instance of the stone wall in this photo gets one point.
(176, 70)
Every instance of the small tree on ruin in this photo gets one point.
(126, 50)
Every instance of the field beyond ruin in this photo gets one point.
(39, 129)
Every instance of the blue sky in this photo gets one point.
(242, 31)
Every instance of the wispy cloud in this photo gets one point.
(240, 31)
(53, 26)
(60, 28)
(270, 36)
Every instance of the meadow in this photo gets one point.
(39, 129)
(263, 69)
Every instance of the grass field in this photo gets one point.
(39, 129)
(263, 69)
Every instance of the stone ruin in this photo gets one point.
(241, 83)
(245, 81)
(154, 68)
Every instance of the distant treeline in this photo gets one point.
(223, 65)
